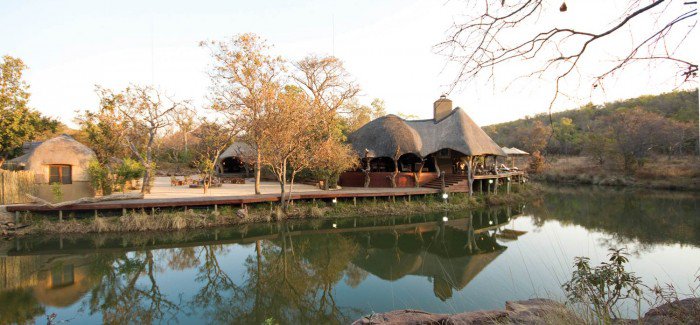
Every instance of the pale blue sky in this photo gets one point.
(70, 46)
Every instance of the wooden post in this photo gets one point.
(508, 185)
(60, 215)
(123, 212)
(16, 219)
(354, 200)
(95, 213)
(2, 188)
(153, 211)
(409, 198)
(216, 208)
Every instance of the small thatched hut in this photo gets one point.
(236, 159)
(61, 160)
(449, 143)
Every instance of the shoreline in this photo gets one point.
(659, 173)
(135, 222)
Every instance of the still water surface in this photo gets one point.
(310, 272)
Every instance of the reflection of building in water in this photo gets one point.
(451, 254)
(54, 280)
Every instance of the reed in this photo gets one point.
(15, 185)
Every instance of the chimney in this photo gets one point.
(441, 108)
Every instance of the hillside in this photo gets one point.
(665, 123)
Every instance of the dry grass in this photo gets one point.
(226, 216)
(660, 172)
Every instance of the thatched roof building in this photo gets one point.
(448, 129)
(57, 155)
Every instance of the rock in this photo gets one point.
(533, 311)
(686, 311)
(478, 317)
(407, 316)
(540, 311)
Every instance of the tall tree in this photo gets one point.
(18, 122)
(290, 129)
(245, 81)
(104, 127)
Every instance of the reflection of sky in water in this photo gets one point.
(534, 265)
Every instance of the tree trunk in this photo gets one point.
(417, 175)
(470, 174)
(257, 174)
(282, 178)
(396, 172)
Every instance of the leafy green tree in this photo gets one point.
(18, 122)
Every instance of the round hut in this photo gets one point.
(61, 160)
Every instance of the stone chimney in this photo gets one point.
(441, 108)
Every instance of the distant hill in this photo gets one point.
(573, 127)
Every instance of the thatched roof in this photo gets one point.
(513, 151)
(238, 149)
(62, 146)
(456, 131)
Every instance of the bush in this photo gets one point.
(129, 170)
(600, 289)
(100, 177)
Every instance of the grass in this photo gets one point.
(135, 221)
(659, 172)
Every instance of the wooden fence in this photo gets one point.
(15, 185)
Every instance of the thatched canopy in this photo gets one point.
(239, 150)
(456, 131)
(513, 151)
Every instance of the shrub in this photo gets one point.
(600, 289)
(100, 177)
(129, 170)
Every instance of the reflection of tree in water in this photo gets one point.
(19, 306)
(290, 279)
(624, 215)
(120, 298)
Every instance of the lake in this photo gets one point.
(335, 271)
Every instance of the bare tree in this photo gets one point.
(499, 34)
(245, 82)
(145, 112)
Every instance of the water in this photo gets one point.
(312, 272)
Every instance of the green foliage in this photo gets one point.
(100, 177)
(129, 170)
(18, 122)
(57, 192)
(600, 289)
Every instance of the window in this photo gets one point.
(61, 174)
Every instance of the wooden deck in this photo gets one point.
(240, 200)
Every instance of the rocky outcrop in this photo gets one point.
(533, 311)
(686, 311)
(536, 311)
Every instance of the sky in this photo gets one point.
(388, 47)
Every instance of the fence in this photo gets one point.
(15, 185)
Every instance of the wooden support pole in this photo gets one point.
(508, 185)
(16, 219)
(60, 215)
(354, 200)
(409, 198)
(153, 211)
(95, 213)
(216, 208)
(123, 212)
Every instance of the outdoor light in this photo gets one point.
(490, 181)
(335, 225)
(444, 219)
(444, 196)
(335, 201)
(490, 222)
